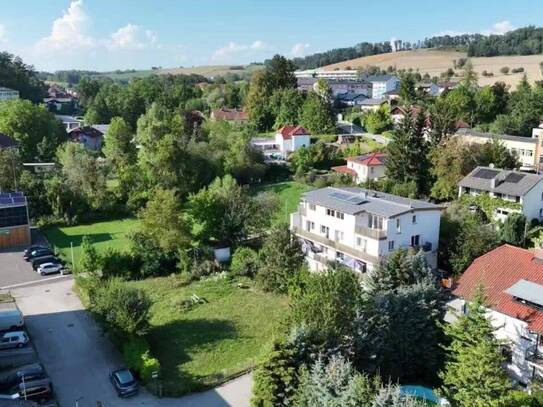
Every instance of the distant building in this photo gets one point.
(359, 227)
(90, 137)
(14, 222)
(338, 86)
(512, 280)
(8, 94)
(381, 84)
(512, 186)
(364, 167)
(70, 122)
(229, 115)
(287, 140)
(371, 104)
(351, 99)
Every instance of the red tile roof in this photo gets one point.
(371, 160)
(497, 271)
(345, 170)
(229, 114)
(288, 131)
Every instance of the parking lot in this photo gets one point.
(15, 271)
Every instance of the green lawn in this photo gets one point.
(289, 193)
(205, 345)
(110, 234)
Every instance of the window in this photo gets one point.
(415, 240)
(391, 245)
(339, 235)
(340, 256)
(540, 212)
(324, 249)
(414, 219)
(529, 153)
(340, 215)
(521, 151)
(371, 170)
(309, 226)
(375, 222)
(361, 243)
(312, 207)
(398, 226)
(325, 230)
(330, 212)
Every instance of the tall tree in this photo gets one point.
(407, 91)
(473, 374)
(15, 74)
(317, 115)
(290, 108)
(407, 159)
(280, 73)
(514, 229)
(443, 118)
(119, 148)
(257, 102)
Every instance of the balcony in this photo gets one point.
(534, 356)
(302, 211)
(376, 234)
(350, 251)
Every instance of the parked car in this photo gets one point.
(49, 268)
(34, 247)
(124, 382)
(37, 253)
(15, 376)
(38, 261)
(10, 317)
(37, 390)
(16, 339)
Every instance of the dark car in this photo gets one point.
(38, 261)
(34, 247)
(38, 253)
(124, 382)
(37, 390)
(15, 376)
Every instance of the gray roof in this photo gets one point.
(353, 200)
(490, 136)
(372, 102)
(528, 291)
(347, 96)
(500, 181)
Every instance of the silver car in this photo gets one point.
(49, 268)
(16, 339)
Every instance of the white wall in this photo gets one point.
(300, 141)
(532, 202)
(364, 172)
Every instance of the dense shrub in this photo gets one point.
(244, 262)
(137, 356)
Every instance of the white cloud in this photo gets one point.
(499, 28)
(299, 49)
(69, 31)
(131, 37)
(234, 48)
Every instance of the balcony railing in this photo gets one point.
(377, 234)
(534, 356)
(350, 251)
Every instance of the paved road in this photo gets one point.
(78, 356)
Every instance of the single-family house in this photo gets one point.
(287, 140)
(512, 282)
(364, 167)
(523, 189)
(89, 136)
(359, 227)
(229, 115)
(8, 94)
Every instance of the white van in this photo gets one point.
(10, 317)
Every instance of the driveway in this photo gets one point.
(78, 356)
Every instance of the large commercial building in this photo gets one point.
(14, 222)
(358, 227)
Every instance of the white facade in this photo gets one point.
(291, 144)
(515, 333)
(8, 94)
(360, 240)
(380, 87)
(365, 172)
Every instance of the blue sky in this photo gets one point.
(122, 34)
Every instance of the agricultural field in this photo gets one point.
(435, 62)
(201, 345)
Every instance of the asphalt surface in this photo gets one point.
(78, 356)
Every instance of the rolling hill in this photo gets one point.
(436, 61)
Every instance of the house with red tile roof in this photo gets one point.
(512, 280)
(364, 167)
(291, 138)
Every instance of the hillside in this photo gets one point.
(435, 62)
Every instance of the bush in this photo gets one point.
(204, 268)
(137, 356)
(244, 262)
(517, 70)
(119, 264)
(504, 70)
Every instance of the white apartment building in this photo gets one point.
(381, 84)
(358, 227)
(512, 280)
(7, 94)
(513, 186)
(364, 167)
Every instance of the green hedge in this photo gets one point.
(137, 356)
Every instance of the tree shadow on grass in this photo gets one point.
(62, 241)
(171, 343)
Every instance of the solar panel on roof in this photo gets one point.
(356, 200)
(340, 196)
(527, 291)
(514, 178)
(485, 173)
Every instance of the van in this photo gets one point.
(10, 317)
